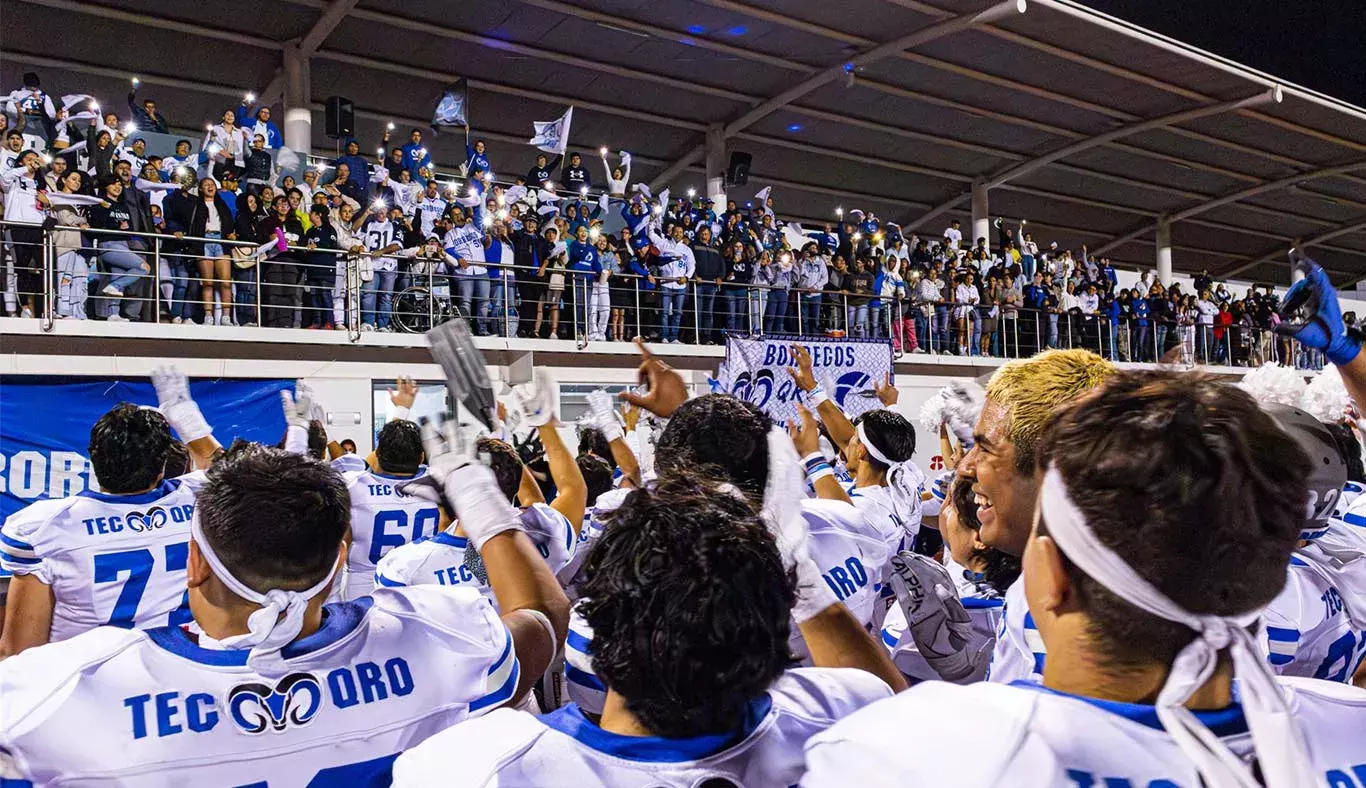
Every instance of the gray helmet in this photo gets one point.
(1327, 468)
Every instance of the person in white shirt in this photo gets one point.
(1206, 308)
(1162, 494)
(966, 296)
(677, 266)
(26, 204)
(954, 234)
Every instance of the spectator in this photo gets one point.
(115, 254)
(144, 115)
(1142, 339)
(415, 155)
(708, 273)
(1203, 281)
(72, 269)
(466, 241)
(585, 267)
(736, 291)
(476, 161)
(1206, 310)
(860, 296)
(281, 295)
(811, 276)
(677, 266)
(575, 178)
(354, 180)
(210, 218)
(259, 123)
(226, 144)
(965, 298)
(954, 235)
(249, 226)
(543, 173)
(644, 270)
(552, 270)
(25, 202)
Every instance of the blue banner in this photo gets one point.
(756, 370)
(45, 426)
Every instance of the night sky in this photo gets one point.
(1320, 44)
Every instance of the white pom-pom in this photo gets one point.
(932, 412)
(1326, 398)
(1274, 384)
(963, 403)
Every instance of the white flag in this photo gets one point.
(553, 136)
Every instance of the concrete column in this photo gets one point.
(716, 165)
(981, 218)
(298, 127)
(1164, 251)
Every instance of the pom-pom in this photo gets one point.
(1274, 384)
(1326, 398)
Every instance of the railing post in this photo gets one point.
(156, 278)
(696, 313)
(640, 332)
(431, 298)
(801, 307)
(49, 252)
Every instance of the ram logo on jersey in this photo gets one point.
(294, 700)
(256, 707)
(139, 522)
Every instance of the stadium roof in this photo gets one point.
(1090, 127)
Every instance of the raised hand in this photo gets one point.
(666, 389)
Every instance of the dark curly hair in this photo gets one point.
(720, 436)
(1193, 485)
(597, 474)
(399, 448)
(690, 607)
(128, 448)
(591, 440)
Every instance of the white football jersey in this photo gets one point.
(1024, 734)
(850, 553)
(570, 575)
(349, 462)
(111, 560)
(564, 748)
(876, 505)
(1019, 652)
(441, 560)
(382, 518)
(981, 603)
(1308, 631)
(155, 708)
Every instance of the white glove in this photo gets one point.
(298, 407)
(783, 492)
(468, 488)
(936, 619)
(175, 403)
(536, 399)
(603, 414)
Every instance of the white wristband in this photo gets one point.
(817, 396)
(401, 413)
(296, 440)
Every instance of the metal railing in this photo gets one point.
(175, 280)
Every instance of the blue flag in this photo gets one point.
(450, 110)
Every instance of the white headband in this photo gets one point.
(904, 478)
(1280, 747)
(281, 616)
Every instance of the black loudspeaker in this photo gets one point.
(341, 117)
(737, 174)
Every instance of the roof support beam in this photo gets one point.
(332, 16)
(1357, 225)
(160, 23)
(1233, 197)
(829, 74)
(1024, 168)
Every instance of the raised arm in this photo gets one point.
(836, 423)
(175, 403)
(536, 400)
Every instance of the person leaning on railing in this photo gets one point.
(25, 203)
(122, 265)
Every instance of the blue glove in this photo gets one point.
(1323, 329)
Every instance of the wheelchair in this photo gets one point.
(416, 310)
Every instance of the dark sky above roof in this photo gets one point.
(1320, 44)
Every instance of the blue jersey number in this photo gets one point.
(384, 539)
(1337, 666)
(138, 565)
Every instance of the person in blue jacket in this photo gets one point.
(260, 123)
(415, 154)
(359, 169)
(1139, 304)
(585, 266)
(476, 161)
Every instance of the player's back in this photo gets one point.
(116, 560)
(382, 518)
(155, 708)
(447, 560)
(1027, 735)
(875, 503)
(1309, 630)
(850, 552)
(565, 749)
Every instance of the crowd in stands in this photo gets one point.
(515, 253)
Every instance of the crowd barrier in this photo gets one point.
(170, 278)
